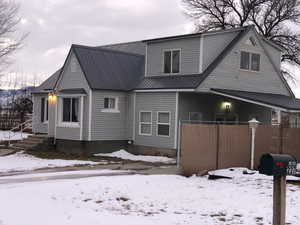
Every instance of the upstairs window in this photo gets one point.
(250, 61)
(171, 61)
(70, 110)
(44, 110)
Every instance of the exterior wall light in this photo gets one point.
(51, 97)
(226, 106)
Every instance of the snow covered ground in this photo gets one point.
(122, 154)
(21, 161)
(4, 135)
(146, 200)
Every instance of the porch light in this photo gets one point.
(51, 97)
(226, 106)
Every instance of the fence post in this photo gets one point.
(253, 124)
(178, 144)
(218, 145)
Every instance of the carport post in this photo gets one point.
(253, 124)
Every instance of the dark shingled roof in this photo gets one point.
(281, 101)
(136, 47)
(115, 67)
(170, 82)
(48, 84)
(72, 91)
(110, 69)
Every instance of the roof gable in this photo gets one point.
(224, 72)
(109, 69)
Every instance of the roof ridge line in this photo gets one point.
(174, 76)
(198, 34)
(107, 50)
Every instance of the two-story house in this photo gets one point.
(134, 95)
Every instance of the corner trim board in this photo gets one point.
(81, 118)
(90, 115)
(176, 121)
(201, 55)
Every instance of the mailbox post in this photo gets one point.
(278, 166)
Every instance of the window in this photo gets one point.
(250, 61)
(145, 127)
(70, 110)
(255, 62)
(44, 110)
(171, 61)
(163, 124)
(110, 104)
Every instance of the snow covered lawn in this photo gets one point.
(21, 161)
(122, 154)
(4, 135)
(146, 200)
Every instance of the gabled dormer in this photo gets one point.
(186, 54)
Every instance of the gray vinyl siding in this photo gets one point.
(71, 80)
(274, 54)
(213, 45)
(37, 125)
(189, 60)
(227, 75)
(155, 102)
(68, 133)
(109, 125)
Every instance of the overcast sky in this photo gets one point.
(54, 25)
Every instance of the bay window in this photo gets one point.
(70, 110)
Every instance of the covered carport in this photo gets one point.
(285, 109)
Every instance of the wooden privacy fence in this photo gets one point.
(213, 146)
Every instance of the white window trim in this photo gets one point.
(158, 123)
(111, 110)
(147, 123)
(250, 61)
(62, 123)
(163, 60)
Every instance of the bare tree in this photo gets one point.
(8, 26)
(276, 20)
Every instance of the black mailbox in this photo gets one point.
(277, 165)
